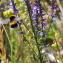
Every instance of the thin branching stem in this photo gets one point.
(35, 36)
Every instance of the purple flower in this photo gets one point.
(55, 7)
(12, 6)
(44, 23)
(34, 17)
(35, 12)
(43, 19)
(38, 10)
(53, 15)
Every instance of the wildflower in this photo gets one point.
(12, 6)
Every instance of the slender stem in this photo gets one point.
(35, 36)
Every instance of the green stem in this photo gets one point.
(35, 36)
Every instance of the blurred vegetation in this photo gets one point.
(25, 44)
